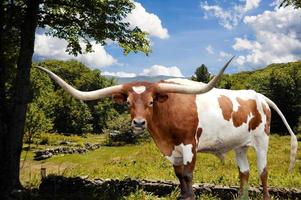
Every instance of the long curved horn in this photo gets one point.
(91, 95)
(188, 89)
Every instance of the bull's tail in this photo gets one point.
(294, 141)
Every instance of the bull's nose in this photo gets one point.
(139, 122)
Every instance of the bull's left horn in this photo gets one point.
(188, 89)
(91, 95)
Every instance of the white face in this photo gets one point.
(139, 89)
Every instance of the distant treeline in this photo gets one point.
(53, 110)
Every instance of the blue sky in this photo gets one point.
(186, 34)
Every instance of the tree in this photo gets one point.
(75, 21)
(36, 122)
(82, 117)
(201, 74)
(295, 3)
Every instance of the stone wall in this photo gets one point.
(55, 187)
(48, 153)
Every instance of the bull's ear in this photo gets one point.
(119, 98)
(161, 97)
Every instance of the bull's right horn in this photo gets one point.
(188, 89)
(91, 95)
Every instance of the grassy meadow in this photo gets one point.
(144, 161)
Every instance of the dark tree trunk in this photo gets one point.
(3, 124)
(12, 136)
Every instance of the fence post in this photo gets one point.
(43, 173)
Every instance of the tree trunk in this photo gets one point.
(3, 124)
(12, 136)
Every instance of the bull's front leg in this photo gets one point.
(184, 173)
(179, 171)
(188, 176)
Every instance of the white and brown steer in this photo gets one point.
(185, 117)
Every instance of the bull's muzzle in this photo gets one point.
(139, 125)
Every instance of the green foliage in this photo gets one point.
(67, 114)
(79, 21)
(201, 74)
(72, 116)
(295, 3)
(55, 139)
(102, 111)
(40, 111)
(36, 122)
(119, 132)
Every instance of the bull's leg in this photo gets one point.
(263, 171)
(264, 181)
(179, 171)
(261, 147)
(188, 175)
(185, 175)
(243, 167)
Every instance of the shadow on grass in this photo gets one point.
(77, 188)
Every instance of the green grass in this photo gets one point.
(142, 195)
(144, 161)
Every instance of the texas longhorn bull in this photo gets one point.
(185, 117)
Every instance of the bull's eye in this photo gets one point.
(128, 103)
(151, 103)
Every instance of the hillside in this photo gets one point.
(248, 79)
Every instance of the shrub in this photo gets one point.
(44, 140)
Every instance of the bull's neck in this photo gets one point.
(160, 131)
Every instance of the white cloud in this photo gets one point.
(240, 60)
(119, 74)
(50, 47)
(277, 38)
(245, 44)
(251, 4)
(157, 70)
(224, 54)
(209, 49)
(231, 17)
(147, 22)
